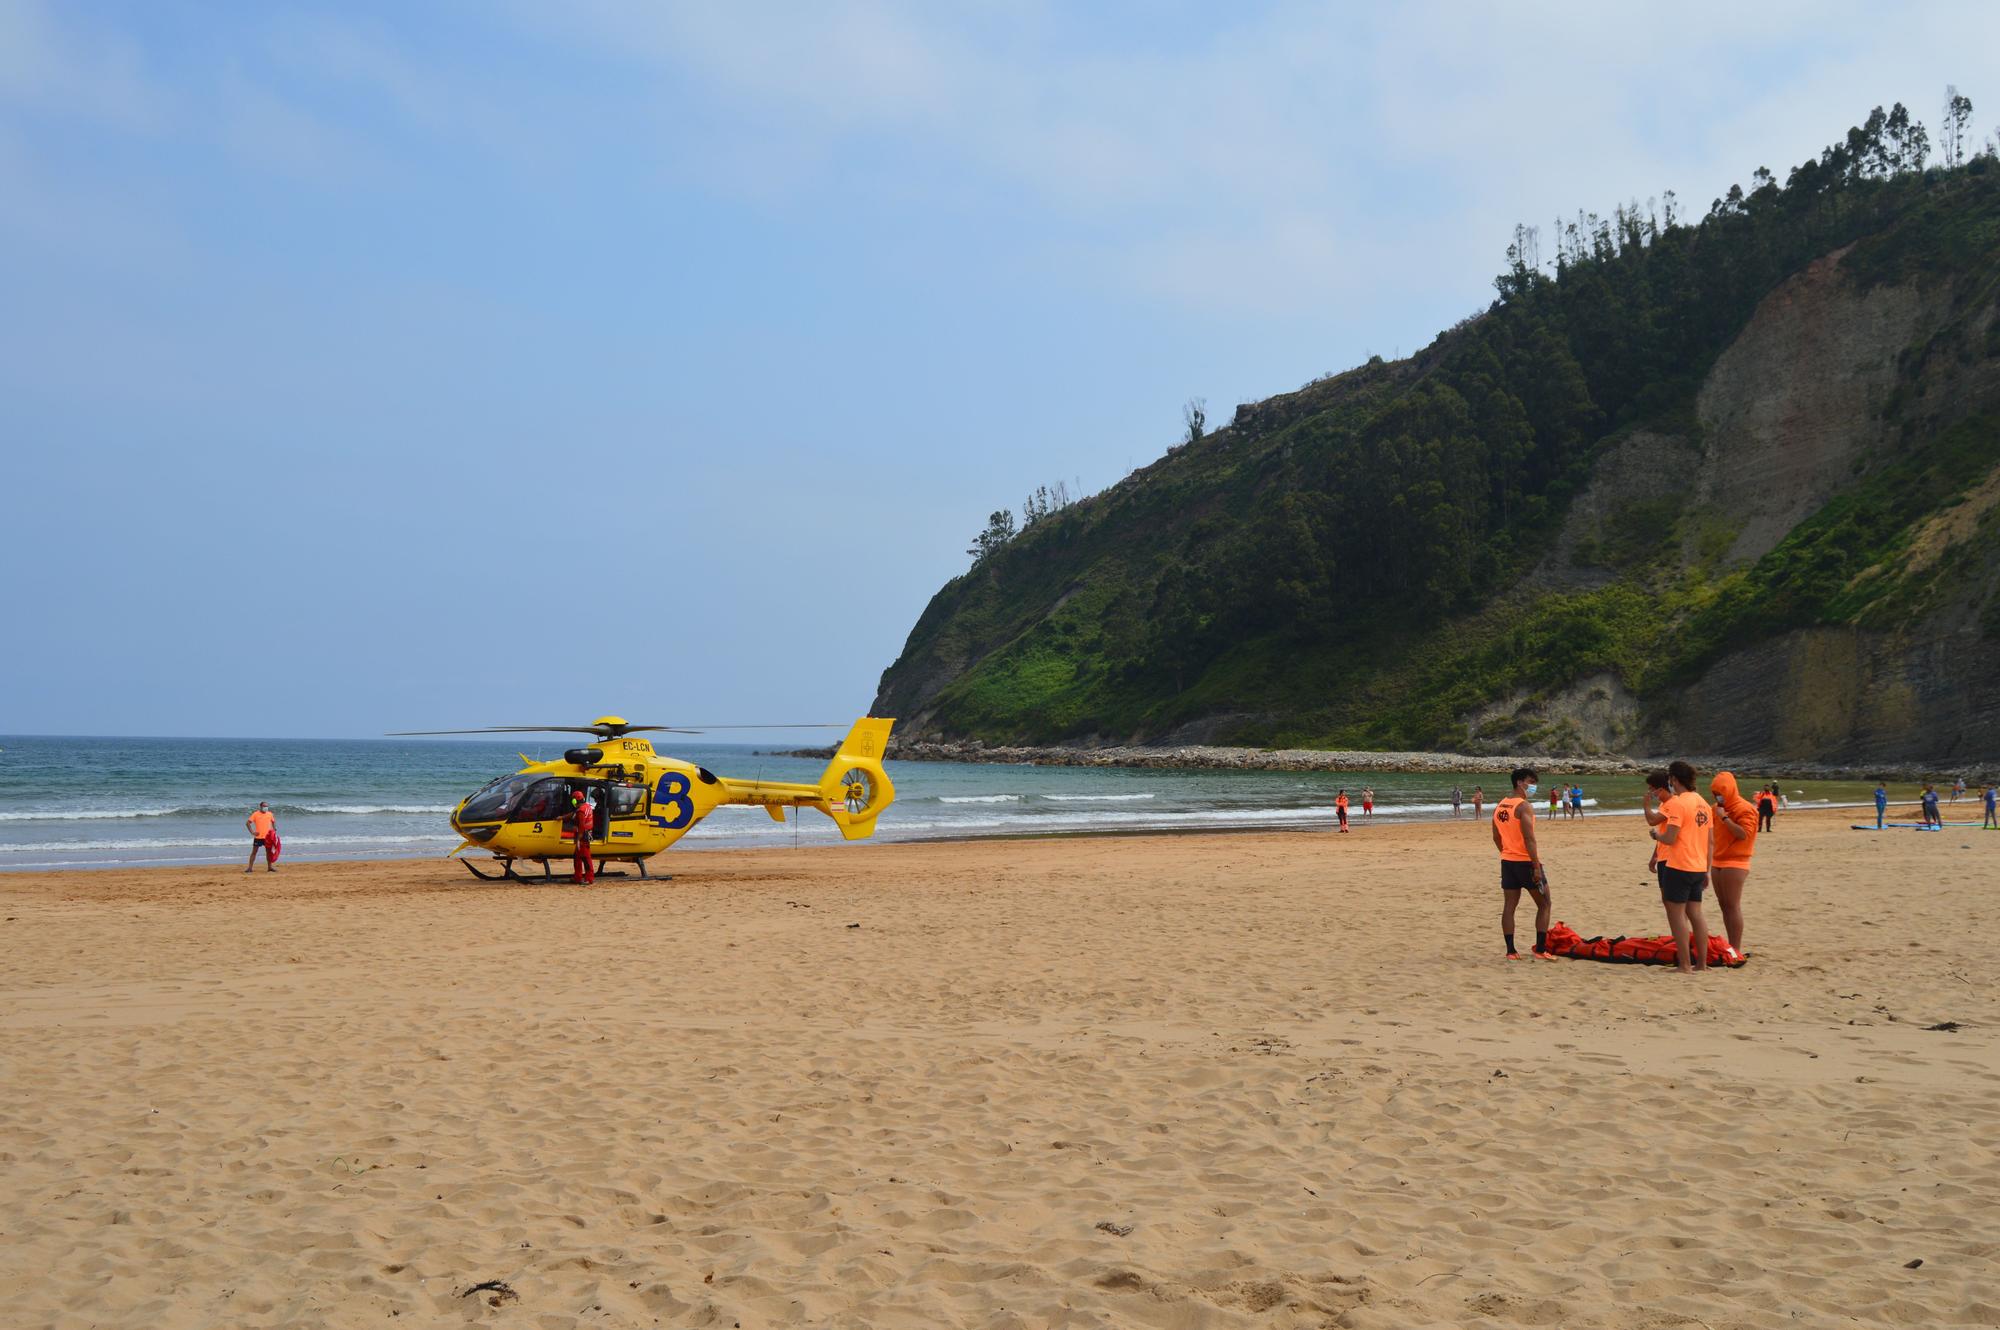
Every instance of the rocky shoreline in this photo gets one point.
(1205, 757)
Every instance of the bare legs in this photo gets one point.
(1690, 930)
(1511, 897)
(1728, 884)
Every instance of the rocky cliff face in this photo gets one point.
(1793, 410)
(1799, 442)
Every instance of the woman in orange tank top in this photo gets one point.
(1735, 839)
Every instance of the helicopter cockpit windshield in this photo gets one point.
(493, 803)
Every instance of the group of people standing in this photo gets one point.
(1695, 845)
(1933, 816)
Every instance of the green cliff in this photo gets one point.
(1726, 486)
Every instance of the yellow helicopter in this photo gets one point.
(647, 801)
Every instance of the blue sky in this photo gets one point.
(381, 366)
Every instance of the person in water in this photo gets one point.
(1684, 838)
(1735, 838)
(1368, 803)
(1881, 805)
(1340, 810)
(1767, 807)
(1478, 802)
(1457, 800)
(1521, 863)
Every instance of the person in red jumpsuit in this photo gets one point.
(585, 870)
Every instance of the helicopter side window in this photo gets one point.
(492, 803)
(628, 800)
(547, 801)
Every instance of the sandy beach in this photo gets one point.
(1270, 1079)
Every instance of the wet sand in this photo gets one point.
(1256, 1079)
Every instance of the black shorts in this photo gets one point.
(1680, 887)
(1518, 875)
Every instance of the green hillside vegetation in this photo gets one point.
(1340, 567)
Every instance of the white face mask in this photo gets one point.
(1532, 787)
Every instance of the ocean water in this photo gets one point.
(106, 802)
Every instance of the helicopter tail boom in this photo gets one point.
(853, 791)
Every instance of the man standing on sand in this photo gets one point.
(1932, 817)
(583, 869)
(262, 828)
(1521, 863)
(1368, 803)
(1881, 804)
(1555, 800)
(1684, 834)
(1992, 822)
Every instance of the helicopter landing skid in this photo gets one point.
(508, 874)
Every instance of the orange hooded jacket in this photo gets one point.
(1732, 850)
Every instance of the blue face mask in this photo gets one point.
(1532, 787)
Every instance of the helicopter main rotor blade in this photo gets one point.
(810, 725)
(542, 729)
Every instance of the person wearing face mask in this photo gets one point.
(1521, 863)
(1684, 834)
(1735, 840)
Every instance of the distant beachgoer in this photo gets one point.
(1932, 817)
(1659, 789)
(583, 869)
(1735, 840)
(1478, 802)
(1881, 805)
(1576, 801)
(1555, 800)
(1992, 822)
(1340, 810)
(263, 827)
(1685, 835)
(1457, 799)
(1958, 789)
(1368, 802)
(1521, 863)
(1767, 807)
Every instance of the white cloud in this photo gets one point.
(50, 67)
(1303, 135)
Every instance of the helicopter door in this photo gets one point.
(625, 808)
(601, 796)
